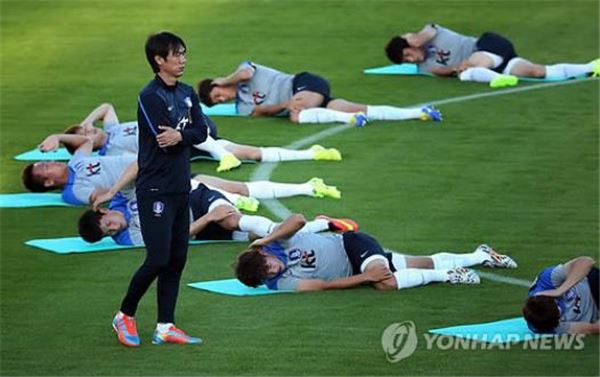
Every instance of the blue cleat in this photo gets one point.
(431, 113)
(359, 119)
(174, 335)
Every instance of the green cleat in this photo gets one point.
(228, 162)
(503, 81)
(247, 203)
(321, 190)
(329, 154)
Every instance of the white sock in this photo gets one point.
(413, 277)
(259, 225)
(271, 154)
(392, 113)
(211, 146)
(163, 327)
(315, 226)
(322, 115)
(565, 71)
(478, 74)
(399, 261)
(272, 190)
(450, 260)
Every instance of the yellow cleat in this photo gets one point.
(504, 81)
(321, 190)
(596, 68)
(322, 154)
(228, 162)
(247, 203)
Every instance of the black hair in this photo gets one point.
(32, 182)
(542, 314)
(394, 49)
(161, 44)
(89, 226)
(204, 88)
(251, 267)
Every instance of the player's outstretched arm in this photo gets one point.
(373, 275)
(584, 328)
(421, 38)
(105, 112)
(269, 110)
(575, 270)
(285, 230)
(126, 178)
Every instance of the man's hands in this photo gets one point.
(220, 213)
(378, 273)
(51, 143)
(100, 196)
(168, 137)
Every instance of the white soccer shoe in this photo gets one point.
(496, 260)
(463, 275)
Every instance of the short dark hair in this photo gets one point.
(89, 226)
(204, 88)
(541, 312)
(32, 182)
(71, 130)
(161, 44)
(251, 267)
(394, 49)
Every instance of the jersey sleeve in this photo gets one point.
(542, 282)
(153, 113)
(558, 275)
(287, 283)
(247, 65)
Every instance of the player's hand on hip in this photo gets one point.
(50, 143)
(168, 137)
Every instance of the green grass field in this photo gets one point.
(519, 171)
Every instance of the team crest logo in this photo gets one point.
(258, 97)
(93, 169)
(188, 102)
(309, 259)
(442, 56)
(294, 255)
(158, 207)
(129, 131)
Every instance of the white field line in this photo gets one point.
(264, 170)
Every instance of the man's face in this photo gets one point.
(111, 222)
(274, 265)
(174, 64)
(48, 172)
(220, 94)
(413, 55)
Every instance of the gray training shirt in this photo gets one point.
(447, 49)
(266, 87)
(310, 256)
(122, 138)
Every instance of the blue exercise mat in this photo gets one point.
(233, 287)
(408, 69)
(32, 199)
(222, 109)
(61, 154)
(76, 245)
(508, 330)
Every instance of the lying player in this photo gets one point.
(564, 299)
(213, 217)
(289, 260)
(491, 58)
(116, 139)
(262, 91)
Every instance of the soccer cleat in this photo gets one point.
(247, 203)
(431, 113)
(126, 330)
(359, 119)
(496, 260)
(321, 190)
(174, 335)
(596, 68)
(504, 81)
(463, 275)
(329, 154)
(228, 162)
(340, 225)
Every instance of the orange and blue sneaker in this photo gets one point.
(126, 330)
(174, 335)
(340, 225)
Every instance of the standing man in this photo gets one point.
(170, 121)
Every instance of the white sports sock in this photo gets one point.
(399, 261)
(478, 74)
(392, 113)
(272, 190)
(413, 277)
(322, 115)
(450, 260)
(211, 146)
(315, 226)
(271, 154)
(163, 327)
(259, 225)
(565, 71)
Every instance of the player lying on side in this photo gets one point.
(289, 260)
(564, 299)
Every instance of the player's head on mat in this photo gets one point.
(44, 176)
(399, 51)
(97, 135)
(211, 93)
(254, 265)
(541, 313)
(164, 49)
(95, 225)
